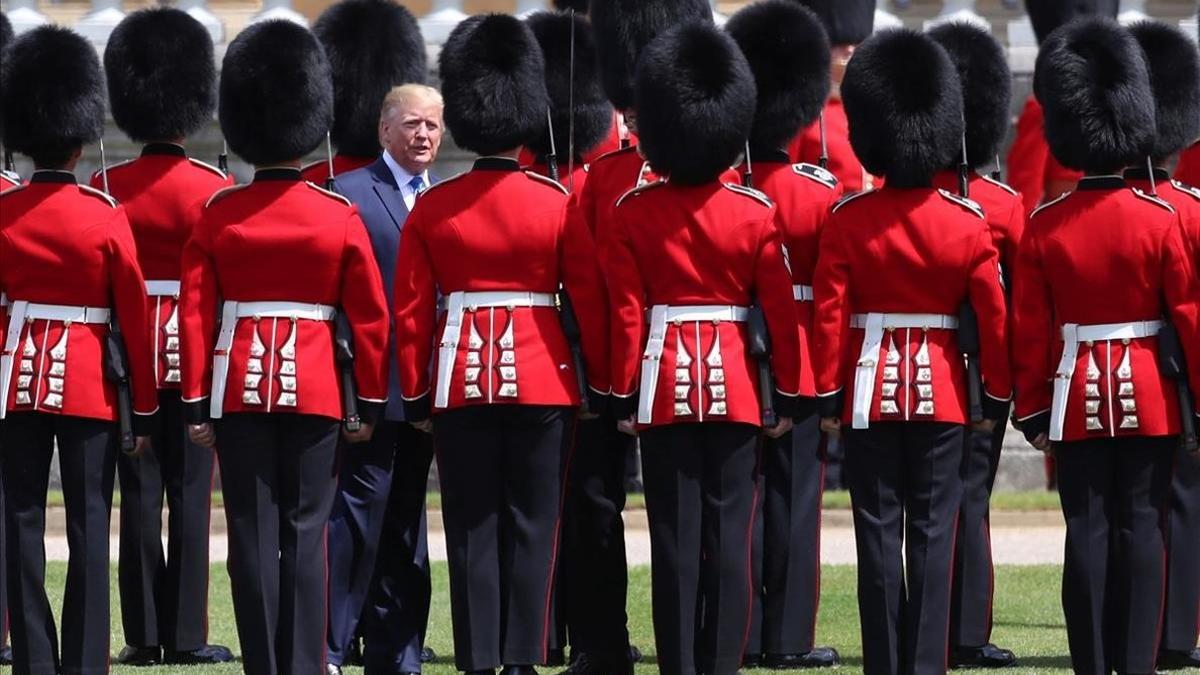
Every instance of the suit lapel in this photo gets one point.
(389, 193)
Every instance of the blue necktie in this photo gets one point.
(417, 184)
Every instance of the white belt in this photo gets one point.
(19, 312)
(1073, 334)
(658, 318)
(802, 293)
(162, 288)
(868, 357)
(231, 311)
(458, 304)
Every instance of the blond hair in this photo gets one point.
(406, 93)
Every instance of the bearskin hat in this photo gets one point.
(493, 81)
(848, 22)
(593, 113)
(788, 51)
(986, 86)
(53, 93)
(1092, 81)
(276, 93)
(624, 27)
(695, 98)
(580, 6)
(6, 32)
(904, 103)
(1047, 15)
(1174, 65)
(162, 79)
(372, 46)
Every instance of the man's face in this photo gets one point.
(839, 57)
(412, 134)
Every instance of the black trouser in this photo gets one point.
(974, 578)
(906, 485)
(1114, 492)
(1181, 625)
(87, 458)
(278, 478)
(593, 569)
(700, 493)
(378, 554)
(502, 470)
(787, 543)
(164, 599)
(3, 567)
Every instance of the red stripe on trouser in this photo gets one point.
(750, 552)
(562, 501)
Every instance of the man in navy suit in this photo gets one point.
(379, 562)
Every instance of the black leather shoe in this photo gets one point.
(206, 655)
(1172, 660)
(428, 655)
(5, 656)
(583, 663)
(481, 672)
(987, 656)
(752, 660)
(555, 658)
(635, 654)
(139, 656)
(518, 670)
(820, 657)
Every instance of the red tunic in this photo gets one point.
(8, 180)
(574, 183)
(67, 244)
(1185, 199)
(1031, 167)
(279, 239)
(908, 251)
(496, 228)
(806, 147)
(1103, 254)
(713, 244)
(803, 195)
(1188, 169)
(161, 191)
(610, 143)
(1003, 208)
(318, 172)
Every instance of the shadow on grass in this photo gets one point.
(1063, 662)
(1025, 624)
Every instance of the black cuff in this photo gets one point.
(995, 409)
(145, 425)
(196, 412)
(1035, 426)
(417, 409)
(785, 405)
(370, 411)
(624, 407)
(597, 403)
(830, 406)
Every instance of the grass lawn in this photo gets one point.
(1028, 619)
(1027, 500)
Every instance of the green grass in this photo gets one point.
(1024, 501)
(1028, 619)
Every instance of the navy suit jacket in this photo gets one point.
(381, 205)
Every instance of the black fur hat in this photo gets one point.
(53, 93)
(593, 113)
(848, 22)
(372, 46)
(276, 93)
(623, 29)
(1174, 65)
(1048, 15)
(695, 99)
(6, 32)
(788, 51)
(986, 86)
(1091, 79)
(580, 6)
(162, 80)
(904, 103)
(493, 81)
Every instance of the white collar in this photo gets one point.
(400, 174)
